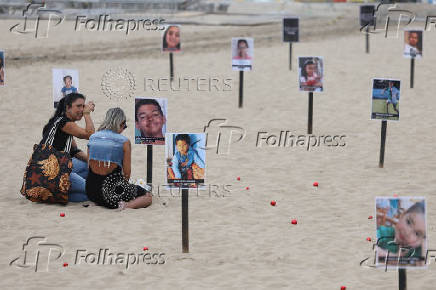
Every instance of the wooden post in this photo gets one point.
(185, 220)
(241, 87)
(402, 279)
(412, 71)
(171, 67)
(367, 38)
(290, 55)
(382, 143)
(310, 114)
(149, 164)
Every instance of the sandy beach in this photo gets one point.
(237, 239)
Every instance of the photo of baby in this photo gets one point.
(401, 232)
(311, 74)
(65, 81)
(186, 159)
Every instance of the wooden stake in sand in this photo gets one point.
(402, 279)
(412, 71)
(382, 144)
(366, 19)
(310, 114)
(290, 34)
(241, 87)
(171, 67)
(185, 220)
(149, 164)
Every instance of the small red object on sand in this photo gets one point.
(370, 217)
(145, 248)
(247, 188)
(62, 214)
(315, 184)
(294, 222)
(368, 239)
(238, 178)
(343, 288)
(395, 195)
(273, 203)
(65, 264)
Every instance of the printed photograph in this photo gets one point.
(171, 39)
(412, 44)
(185, 154)
(290, 29)
(367, 15)
(401, 232)
(311, 73)
(150, 120)
(385, 99)
(65, 81)
(242, 53)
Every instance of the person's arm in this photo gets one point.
(72, 128)
(175, 167)
(79, 153)
(127, 148)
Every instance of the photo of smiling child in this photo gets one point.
(311, 73)
(65, 81)
(171, 39)
(186, 159)
(150, 120)
(401, 232)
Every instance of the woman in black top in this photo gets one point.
(72, 108)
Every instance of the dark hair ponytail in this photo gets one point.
(65, 102)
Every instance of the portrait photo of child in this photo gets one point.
(150, 120)
(65, 81)
(171, 39)
(412, 44)
(311, 73)
(186, 159)
(242, 53)
(401, 232)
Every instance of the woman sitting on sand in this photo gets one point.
(109, 155)
(71, 109)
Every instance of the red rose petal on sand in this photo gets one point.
(315, 184)
(368, 239)
(238, 178)
(247, 188)
(145, 248)
(62, 214)
(343, 288)
(370, 217)
(273, 203)
(65, 264)
(294, 222)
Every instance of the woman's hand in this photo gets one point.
(89, 107)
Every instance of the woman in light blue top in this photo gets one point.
(109, 155)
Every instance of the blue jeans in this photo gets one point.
(78, 177)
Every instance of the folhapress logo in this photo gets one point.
(224, 135)
(38, 254)
(40, 23)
